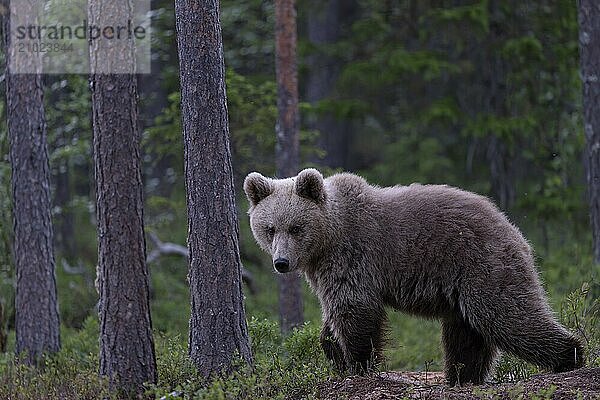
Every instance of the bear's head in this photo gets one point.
(288, 217)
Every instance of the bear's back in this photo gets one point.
(436, 224)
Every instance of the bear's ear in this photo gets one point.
(309, 184)
(257, 187)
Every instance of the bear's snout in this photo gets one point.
(282, 265)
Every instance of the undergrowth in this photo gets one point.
(284, 368)
(69, 374)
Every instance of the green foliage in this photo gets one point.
(475, 16)
(456, 77)
(581, 312)
(414, 344)
(283, 367)
(252, 114)
(512, 369)
(77, 295)
(175, 369)
(248, 27)
(71, 373)
(428, 164)
(544, 393)
(164, 138)
(170, 293)
(565, 266)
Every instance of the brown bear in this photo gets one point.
(427, 250)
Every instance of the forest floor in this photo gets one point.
(580, 384)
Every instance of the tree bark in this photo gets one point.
(37, 322)
(287, 146)
(589, 44)
(126, 342)
(218, 328)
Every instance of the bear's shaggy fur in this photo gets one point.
(428, 250)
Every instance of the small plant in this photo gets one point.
(512, 369)
(580, 311)
(172, 361)
(488, 393)
(427, 369)
(544, 393)
(516, 392)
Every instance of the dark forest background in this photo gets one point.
(484, 95)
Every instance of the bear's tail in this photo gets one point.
(528, 330)
(570, 354)
(547, 345)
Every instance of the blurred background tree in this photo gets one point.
(589, 42)
(287, 149)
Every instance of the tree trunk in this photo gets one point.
(589, 44)
(218, 328)
(501, 172)
(501, 161)
(287, 146)
(37, 323)
(324, 28)
(126, 343)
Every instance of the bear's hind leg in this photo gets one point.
(468, 356)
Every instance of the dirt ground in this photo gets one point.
(580, 384)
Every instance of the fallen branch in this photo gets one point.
(78, 270)
(166, 248)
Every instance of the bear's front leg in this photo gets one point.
(360, 329)
(331, 348)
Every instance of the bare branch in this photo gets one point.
(166, 248)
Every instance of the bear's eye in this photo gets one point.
(295, 229)
(270, 231)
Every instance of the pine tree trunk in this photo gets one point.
(37, 322)
(500, 160)
(126, 342)
(589, 44)
(287, 147)
(218, 328)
